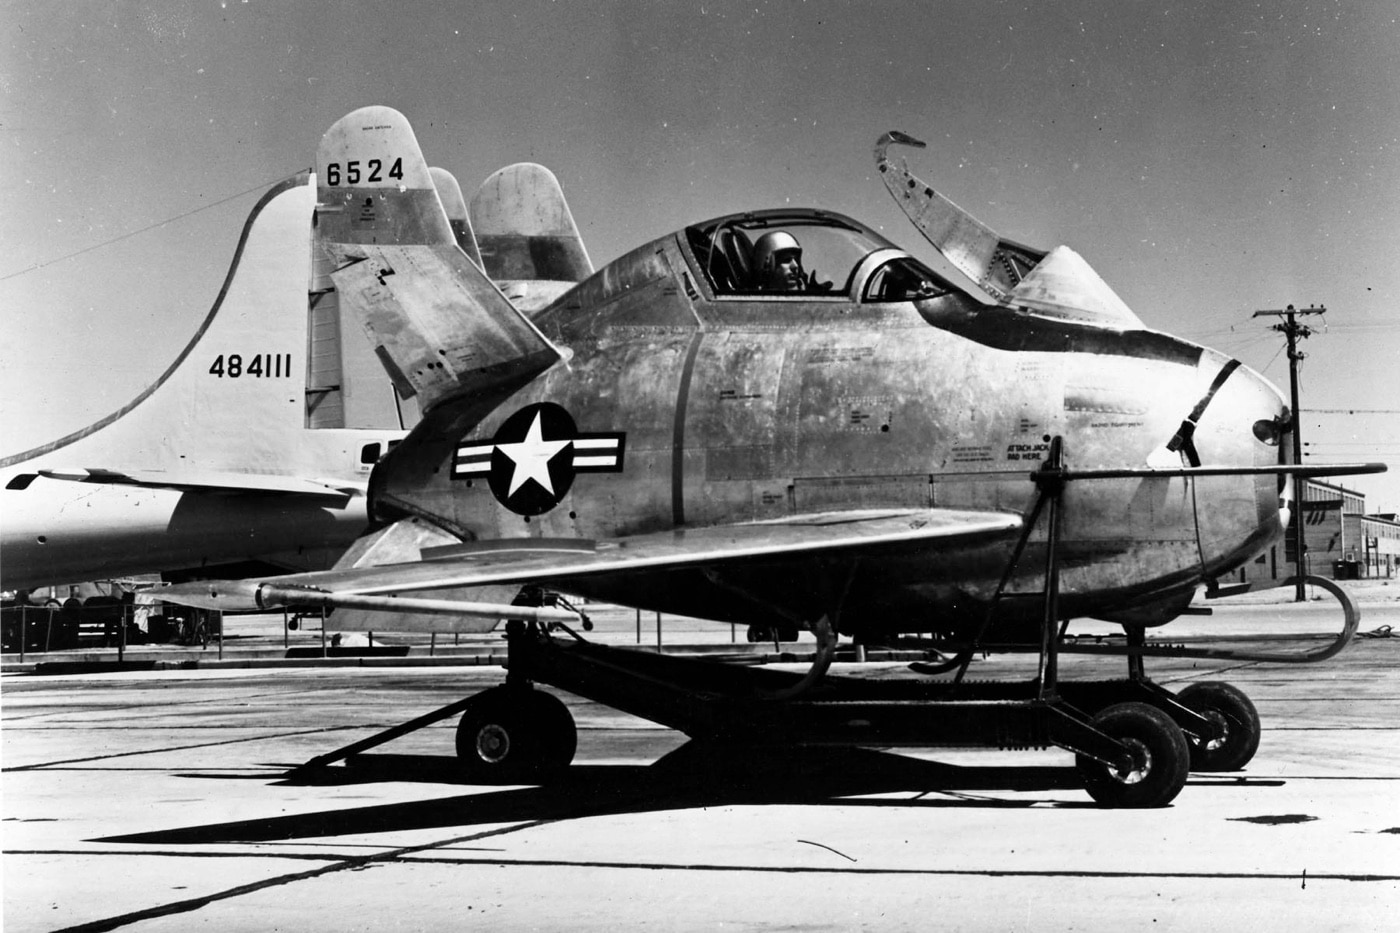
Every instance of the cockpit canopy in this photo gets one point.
(844, 259)
(841, 258)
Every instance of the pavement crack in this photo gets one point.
(352, 863)
(822, 845)
(923, 872)
(173, 748)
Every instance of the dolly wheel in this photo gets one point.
(1160, 758)
(555, 730)
(1236, 719)
(509, 735)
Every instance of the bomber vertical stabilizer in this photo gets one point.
(245, 365)
(218, 461)
(439, 325)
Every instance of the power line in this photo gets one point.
(1271, 361)
(127, 236)
(1352, 411)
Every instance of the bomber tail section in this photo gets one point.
(220, 460)
(442, 329)
(244, 367)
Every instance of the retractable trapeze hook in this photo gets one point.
(895, 138)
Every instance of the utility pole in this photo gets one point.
(1294, 331)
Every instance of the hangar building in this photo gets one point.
(1340, 541)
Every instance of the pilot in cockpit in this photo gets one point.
(777, 263)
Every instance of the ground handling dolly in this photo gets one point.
(1134, 741)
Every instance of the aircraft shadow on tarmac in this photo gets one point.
(693, 776)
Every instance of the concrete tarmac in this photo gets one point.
(158, 800)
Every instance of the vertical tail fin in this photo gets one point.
(455, 206)
(529, 242)
(525, 227)
(244, 368)
(439, 325)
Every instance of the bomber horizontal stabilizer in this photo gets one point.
(209, 482)
(555, 562)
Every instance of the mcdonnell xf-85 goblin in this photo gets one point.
(782, 419)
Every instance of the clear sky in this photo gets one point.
(1208, 159)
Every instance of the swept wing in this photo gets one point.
(553, 561)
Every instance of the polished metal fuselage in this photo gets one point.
(750, 408)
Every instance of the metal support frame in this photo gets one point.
(1050, 485)
(712, 701)
(379, 738)
(1050, 481)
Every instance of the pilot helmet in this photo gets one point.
(770, 245)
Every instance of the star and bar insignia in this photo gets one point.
(531, 462)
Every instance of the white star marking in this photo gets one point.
(531, 458)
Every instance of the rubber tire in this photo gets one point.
(758, 633)
(558, 736)
(1227, 704)
(1163, 749)
(513, 736)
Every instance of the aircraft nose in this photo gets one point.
(1273, 433)
(1236, 418)
(1272, 424)
(1254, 427)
